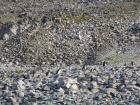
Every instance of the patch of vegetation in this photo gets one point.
(120, 11)
(8, 18)
(67, 18)
(123, 10)
(18, 71)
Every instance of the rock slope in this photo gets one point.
(54, 32)
(69, 52)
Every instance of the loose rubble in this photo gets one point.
(69, 52)
(94, 85)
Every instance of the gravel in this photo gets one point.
(96, 86)
(69, 52)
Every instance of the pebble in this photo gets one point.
(6, 37)
(138, 81)
(94, 83)
(61, 90)
(20, 93)
(68, 85)
(90, 86)
(61, 82)
(21, 85)
(14, 101)
(71, 81)
(111, 91)
(95, 90)
(74, 88)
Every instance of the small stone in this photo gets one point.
(129, 74)
(95, 84)
(21, 85)
(21, 93)
(17, 63)
(138, 81)
(138, 73)
(68, 85)
(95, 90)
(14, 29)
(81, 75)
(90, 86)
(46, 88)
(1, 93)
(114, 85)
(133, 38)
(110, 83)
(99, 80)
(34, 103)
(72, 81)
(74, 88)
(84, 90)
(134, 82)
(10, 64)
(126, 82)
(14, 101)
(38, 85)
(84, 83)
(111, 91)
(61, 82)
(6, 37)
(61, 91)
(2, 86)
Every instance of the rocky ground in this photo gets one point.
(62, 52)
(91, 85)
(70, 32)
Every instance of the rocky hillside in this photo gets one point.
(69, 52)
(67, 31)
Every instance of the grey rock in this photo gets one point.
(21, 85)
(111, 91)
(90, 86)
(68, 87)
(138, 81)
(5, 29)
(61, 82)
